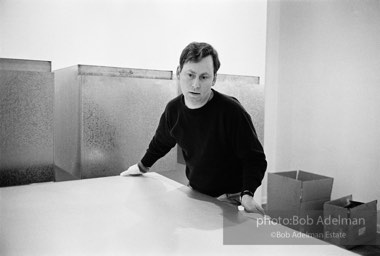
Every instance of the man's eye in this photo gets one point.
(190, 75)
(204, 77)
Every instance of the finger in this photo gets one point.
(125, 173)
(135, 174)
(130, 173)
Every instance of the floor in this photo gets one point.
(366, 250)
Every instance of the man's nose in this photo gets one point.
(196, 83)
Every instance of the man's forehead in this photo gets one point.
(208, 58)
(205, 64)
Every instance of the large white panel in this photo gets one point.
(26, 122)
(106, 117)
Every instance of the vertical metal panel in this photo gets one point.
(250, 94)
(26, 125)
(67, 119)
(106, 117)
(120, 116)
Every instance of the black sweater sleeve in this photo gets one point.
(161, 142)
(249, 151)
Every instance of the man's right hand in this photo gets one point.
(133, 170)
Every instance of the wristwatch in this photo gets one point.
(246, 192)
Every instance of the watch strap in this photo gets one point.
(142, 168)
(246, 192)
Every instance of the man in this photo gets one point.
(223, 155)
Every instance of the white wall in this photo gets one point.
(146, 34)
(323, 92)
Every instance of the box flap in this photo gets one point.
(340, 202)
(317, 189)
(305, 176)
(335, 210)
(364, 207)
(283, 192)
(289, 174)
(352, 204)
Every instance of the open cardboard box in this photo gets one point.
(350, 223)
(296, 198)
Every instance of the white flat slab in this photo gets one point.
(147, 215)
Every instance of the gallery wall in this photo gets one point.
(322, 92)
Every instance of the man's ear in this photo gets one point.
(178, 72)
(214, 80)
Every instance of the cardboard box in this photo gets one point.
(296, 198)
(350, 223)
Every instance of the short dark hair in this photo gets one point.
(196, 51)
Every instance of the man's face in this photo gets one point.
(196, 79)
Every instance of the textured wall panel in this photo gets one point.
(117, 111)
(120, 116)
(67, 119)
(250, 94)
(26, 126)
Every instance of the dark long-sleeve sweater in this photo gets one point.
(219, 144)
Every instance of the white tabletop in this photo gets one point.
(142, 215)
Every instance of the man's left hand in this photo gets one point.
(250, 205)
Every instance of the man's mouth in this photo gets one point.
(195, 93)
